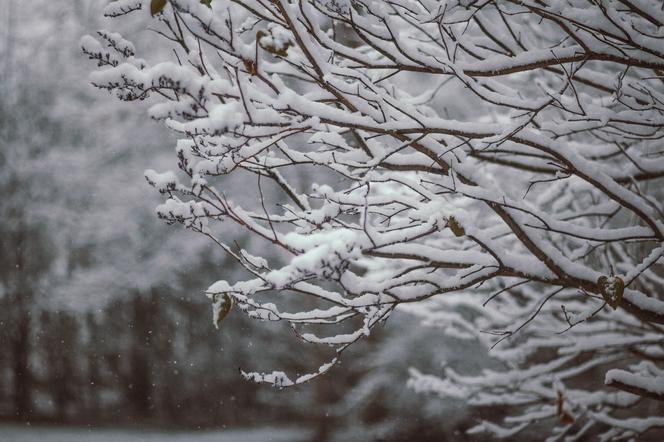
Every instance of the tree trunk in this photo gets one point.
(140, 388)
(21, 341)
(94, 378)
(21, 370)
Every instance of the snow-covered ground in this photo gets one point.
(22, 433)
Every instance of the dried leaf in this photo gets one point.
(250, 66)
(612, 290)
(260, 34)
(566, 418)
(223, 308)
(281, 51)
(156, 6)
(455, 227)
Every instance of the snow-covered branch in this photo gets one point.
(434, 154)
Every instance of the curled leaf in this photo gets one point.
(612, 290)
(455, 227)
(221, 307)
(156, 6)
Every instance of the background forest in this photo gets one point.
(103, 320)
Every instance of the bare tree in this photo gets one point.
(493, 165)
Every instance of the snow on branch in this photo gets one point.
(494, 167)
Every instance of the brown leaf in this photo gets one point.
(250, 66)
(156, 6)
(455, 227)
(612, 290)
(224, 308)
(281, 51)
(566, 418)
(561, 413)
